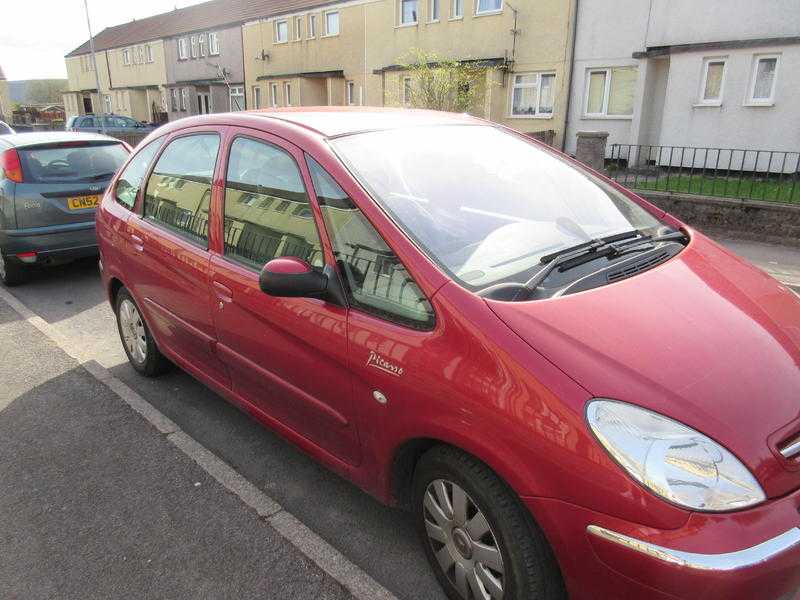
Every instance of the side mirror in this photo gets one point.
(292, 277)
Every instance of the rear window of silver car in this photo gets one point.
(67, 163)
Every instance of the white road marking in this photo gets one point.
(326, 557)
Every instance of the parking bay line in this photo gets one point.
(325, 556)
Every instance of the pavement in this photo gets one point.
(115, 485)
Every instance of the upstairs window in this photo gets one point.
(213, 43)
(433, 11)
(610, 92)
(488, 6)
(376, 282)
(712, 82)
(126, 56)
(532, 95)
(201, 44)
(456, 9)
(148, 53)
(408, 12)
(298, 28)
(193, 43)
(183, 53)
(763, 80)
(281, 32)
(332, 23)
(312, 26)
(178, 194)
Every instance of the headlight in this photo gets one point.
(676, 462)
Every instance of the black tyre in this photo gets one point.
(136, 338)
(11, 273)
(481, 542)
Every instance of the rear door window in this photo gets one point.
(178, 193)
(131, 178)
(71, 163)
(267, 211)
(376, 281)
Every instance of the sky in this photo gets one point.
(33, 42)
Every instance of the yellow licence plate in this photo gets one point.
(81, 202)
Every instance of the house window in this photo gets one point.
(281, 32)
(184, 98)
(148, 53)
(201, 44)
(237, 98)
(213, 43)
(406, 93)
(256, 97)
(298, 28)
(273, 94)
(193, 43)
(350, 89)
(312, 26)
(126, 56)
(408, 12)
(332, 23)
(488, 6)
(532, 95)
(174, 99)
(433, 10)
(610, 92)
(763, 79)
(182, 49)
(712, 81)
(287, 93)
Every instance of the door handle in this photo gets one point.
(224, 293)
(138, 243)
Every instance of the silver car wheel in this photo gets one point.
(132, 328)
(463, 542)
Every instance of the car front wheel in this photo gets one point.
(479, 539)
(136, 338)
(11, 273)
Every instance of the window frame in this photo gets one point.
(751, 86)
(239, 93)
(256, 97)
(538, 86)
(308, 191)
(273, 94)
(126, 57)
(400, 6)
(193, 46)
(287, 93)
(326, 31)
(148, 54)
(149, 174)
(183, 49)
(494, 11)
(707, 62)
(406, 90)
(606, 94)
(276, 32)
(202, 45)
(145, 176)
(311, 27)
(213, 43)
(454, 14)
(434, 6)
(349, 92)
(184, 97)
(298, 28)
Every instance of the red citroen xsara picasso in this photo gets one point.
(573, 392)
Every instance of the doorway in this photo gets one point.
(87, 105)
(204, 103)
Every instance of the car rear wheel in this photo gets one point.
(481, 542)
(136, 338)
(11, 273)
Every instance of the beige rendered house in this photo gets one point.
(5, 100)
(350, 53)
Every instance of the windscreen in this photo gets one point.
(484, 204)
(70, 163)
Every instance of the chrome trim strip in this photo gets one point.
(792, 449)
(729, 561)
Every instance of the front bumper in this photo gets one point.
(55, 242)
(743, 555)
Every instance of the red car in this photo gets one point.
(573, 392)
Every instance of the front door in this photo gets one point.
(287, 356)
(171, 278)
(204, 103)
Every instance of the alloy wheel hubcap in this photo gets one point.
(463, 542)
(132, 328)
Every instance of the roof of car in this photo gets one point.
(337, 121)
(19, 140)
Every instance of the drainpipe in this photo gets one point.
(94, 63)
(571, 73)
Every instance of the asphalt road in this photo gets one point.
(159, 515)
(379, 540)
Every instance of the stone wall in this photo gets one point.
(746, 219)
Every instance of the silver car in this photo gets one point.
(50, 184)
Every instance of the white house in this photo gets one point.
(694, 73)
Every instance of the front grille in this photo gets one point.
(635, 268)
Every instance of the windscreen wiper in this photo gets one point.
(591, 245)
